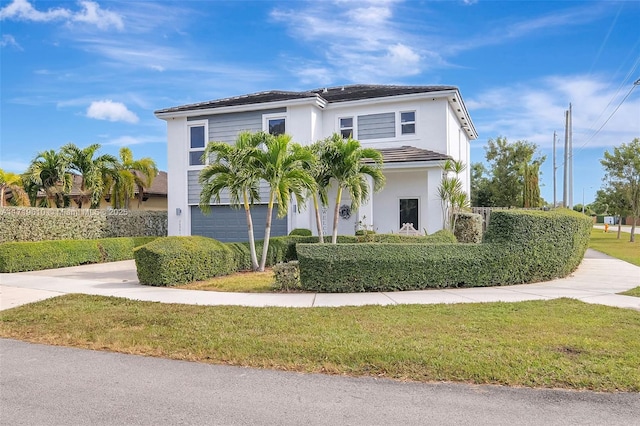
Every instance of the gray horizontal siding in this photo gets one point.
(194, 188)
(230, 225)
(225, 127)
(375, 126)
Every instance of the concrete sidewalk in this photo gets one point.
(597, 280)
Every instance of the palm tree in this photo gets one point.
(232, 168)
(12, 182)
(319, 171)
(284, 166)
(92, 171)
(49, 172)
(451, 193)
(346, 158)
(130, 175)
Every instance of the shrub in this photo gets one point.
(519, 247)
(441, 237)
(241, 256)
(302, 232)
(468, 228)
(39, 255)
(178, 260)
(287, 276)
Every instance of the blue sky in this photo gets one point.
(94, 71)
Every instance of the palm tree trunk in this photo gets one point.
(267, 234)
(334, 236)
(2, 188)
(252, 243)
(318, 219)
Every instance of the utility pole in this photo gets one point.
(554, 169)
(570, 157)
(565, 194)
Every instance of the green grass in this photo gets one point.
(243, 282)
(561, 343)
(608, 243)
(633, 292)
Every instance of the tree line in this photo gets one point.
(48, 180)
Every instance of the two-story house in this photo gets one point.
(415, 127)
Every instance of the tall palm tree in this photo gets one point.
(232, 168)
(92, 171)
(453, 197)
(284, 166)
(130, 175)
(12, 182)
(49, 172)
(320, 172)
(346, 158)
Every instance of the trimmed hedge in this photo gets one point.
(177, 260)
(519, 247)
(20, 224)
(301, 232)
(39, 255)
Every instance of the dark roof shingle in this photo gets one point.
(406, 154)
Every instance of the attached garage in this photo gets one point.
(230, 225)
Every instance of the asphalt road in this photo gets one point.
(48, 385)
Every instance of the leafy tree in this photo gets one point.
(480, 190)
(48, 172)
(232, 168)
(284, 166)
(348, 168)
(622, 175)
(507, 167)
(130, 175)
(12, 183)
(531, 189)
(92, 171)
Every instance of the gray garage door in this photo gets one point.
(227, 224)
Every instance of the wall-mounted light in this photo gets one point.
(178, 211)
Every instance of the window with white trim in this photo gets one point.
(197, 142)
(274, 124)
(346, 127)
(408, 122)
(409, 212)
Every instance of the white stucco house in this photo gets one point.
(415, 127)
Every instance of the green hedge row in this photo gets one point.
(177, 260)
(35, 256)
(19, 224)
(519, 247)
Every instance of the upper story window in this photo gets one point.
(346, 127)
(276, 126)
(408, 122)
(197, 141)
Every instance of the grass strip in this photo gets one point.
(557, 344)
(608, 243)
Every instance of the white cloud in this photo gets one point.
(533, 111)
(90, 13)
(93, 14)
(112, 111)
(9, 40)
(356, 41)
(134, 140)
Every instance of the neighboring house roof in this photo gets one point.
(326, 96)
(158, 186)
(405, 154)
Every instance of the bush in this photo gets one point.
(440, 237)
(178, 260)
(287, 276)
(39, 255)
(241, 256)
(302, 232)
(468, 228)
(519, 247)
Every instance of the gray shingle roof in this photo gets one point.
(329, 94)
(406, 154)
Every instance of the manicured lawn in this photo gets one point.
(560, 343)
(608, 243)
(243, 282)
(633, 292)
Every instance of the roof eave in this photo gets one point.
(317, 101)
